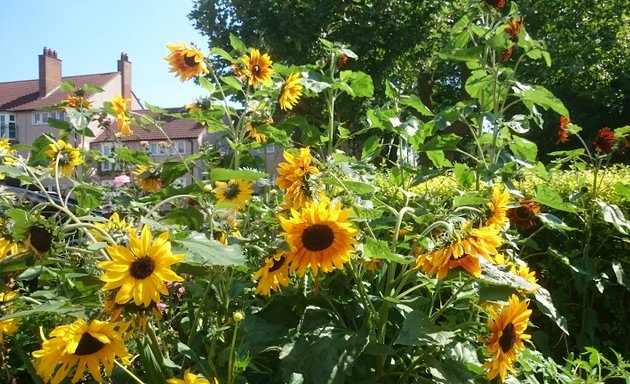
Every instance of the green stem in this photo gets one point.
(450, 300)
(161, 203)
(369, 307)
(128, 372)
(231, 358)
(193, 326)
(27, 363)
(155, 348)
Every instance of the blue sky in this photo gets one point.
(89, 36)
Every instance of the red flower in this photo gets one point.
(506, 54)
(498, 4)
(342, 61)
(563, 134)
(604, 140)
(524, 217)
(514, 28)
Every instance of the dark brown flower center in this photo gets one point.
(40, 239)
(142, 268)
(277, 264)
(64, 158)
(231, 192)
(317, 237)
(190, 61)
(88, 345)
(508, 338)
(256, 70)
(523, 213)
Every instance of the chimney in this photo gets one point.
(49, 72)
(124, 67)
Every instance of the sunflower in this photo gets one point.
(148, 178)
(257, 68)
(191, 378)
(140, 270)
(65, 156)
(294, 178)
(117, 228)
(563, 134)
(524, 272)
(498, 208)
(273, 275)
(40, 238)
(604, 140)
(235, 192)
(77, 102)
(186, 61)
(320, 236)
(8, 246)
(498, 4)
(119, 106)
(82, 345)
(8, 327)
(7, 155)
(463, 252)
(524, 217)
(513, 28)
(291, 92)
(253, 133)
(134, 316)
(506, 336)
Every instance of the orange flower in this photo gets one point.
(604, 140)
(563, 134)
(514, 28)
(524, 217)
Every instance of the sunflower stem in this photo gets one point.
(128, 372)
(161, 203)
(193, 327)
(27, 363)
(450, 300)
(155, 348)
(232, 353)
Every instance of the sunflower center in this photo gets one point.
(317, 237)
(40, 239)
(256, 70)
(64, 158)
(190, 61)
(277, 264)
(231, 192)
(142, 268)
(88, 345)
(523, 213)
(508, 338)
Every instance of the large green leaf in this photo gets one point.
(203, 251)
(612, 214)
(541, 96)
(547, 196)
(359, 82)
(379, 250)
(524, 149)
(418, 330)
(546, 306)
(417, 104)
(229, 174)
(321, 351)
(441, 142)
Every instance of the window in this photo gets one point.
(106, 150)
(164, 148)
(269, 149)
(8, 129)
(40, 118)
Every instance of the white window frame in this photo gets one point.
(41, 118)
(179, 146)
(6, 131)
(106, 149)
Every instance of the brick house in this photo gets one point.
(21, 119)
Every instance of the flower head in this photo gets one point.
(7, 154)
(121, 179)
(513, 28)
(294, 178)
(62, 154)
(186, 61)
(253, 133)
(115, 227)
(320, 236)
(140, 270)
(498, 208)
(80, 345)
(191, 378)
(257, 67)
(563, 134)
(40, 238)
(524, 272)
(236, 192)
(498, 4)
(604, 140)
(8, 245)
(8, 327)
(123, 120)
(77, 102)
(148, 178)
(464, 251)
(506, 336)
(524, 217)
(291, 92)
(273, 275)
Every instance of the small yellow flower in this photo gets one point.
(64, 155)
(236, 192)
(119, 105)
(498, 208)
(148, 178)
(186, 61)
(291, 92)
(191, 378)
(273, 275)
(115, 226)
(254, 134)
(7, 155)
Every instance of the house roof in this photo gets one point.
(174, 129)
(24, 95)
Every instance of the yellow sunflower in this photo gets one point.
(8, 327)
(273, 275)
(254, 134)
(77, 102)
(140, 270)
(191, 378)
(8, 246)
(462, 252)
(119, 105)
(115, 226)
(506, 336)
(320, 237)
(294, 178)
(257, 68)
(82, 345)
(186, 61)
(236, 192)
(291, 92)
(7, 155)
(524, 272)
(65, 155)
(498, 208)
(148, 178)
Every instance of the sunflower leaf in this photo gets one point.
(379, 250)
(218, 174)
(203, 251)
